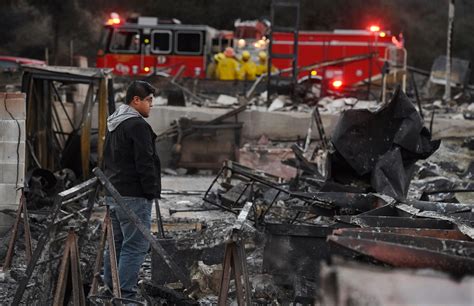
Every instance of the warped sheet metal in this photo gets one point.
(447, 246)
(406, 256)
(422, 232)
(463, 224)
(457, 210)
(389, 221)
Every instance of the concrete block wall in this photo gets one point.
(275, 125)
(286, 125)
(12, 154)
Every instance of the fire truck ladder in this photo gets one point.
(287, 7)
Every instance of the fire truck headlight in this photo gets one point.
(147, 69)
(314, 73)
(241, 43)
(382, 34)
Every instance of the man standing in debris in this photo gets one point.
(133, 167)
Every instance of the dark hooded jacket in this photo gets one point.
(130, 158)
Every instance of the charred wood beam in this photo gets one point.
(82, 187)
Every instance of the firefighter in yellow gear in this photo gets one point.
(211, 72)
(262, 66)
(248, 69)
(228, 67)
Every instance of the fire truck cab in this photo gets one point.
(148, 45)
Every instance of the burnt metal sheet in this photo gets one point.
(387, 211)
(465, 226)
(441, 207)
(383, 221)
(422, 232)
(453, 247)
(404, 256)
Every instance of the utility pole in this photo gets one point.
(447, 92)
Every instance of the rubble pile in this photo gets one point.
(366, 206)
(380, 199)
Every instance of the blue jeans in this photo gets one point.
(130, 244)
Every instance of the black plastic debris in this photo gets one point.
(390, 176)
(382, 146)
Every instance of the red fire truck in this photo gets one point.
(319, 47)
(147, 45)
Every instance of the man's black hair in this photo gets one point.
(141, 89)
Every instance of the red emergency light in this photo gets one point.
(374, 28)
(114, 19)
(337, 84)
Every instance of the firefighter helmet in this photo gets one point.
(245, 55)
(262, 55)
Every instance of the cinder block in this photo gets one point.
(9, 173)
(16, 95)
(9, 196)
(17, 108)
(8, 151)
(9, 130)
